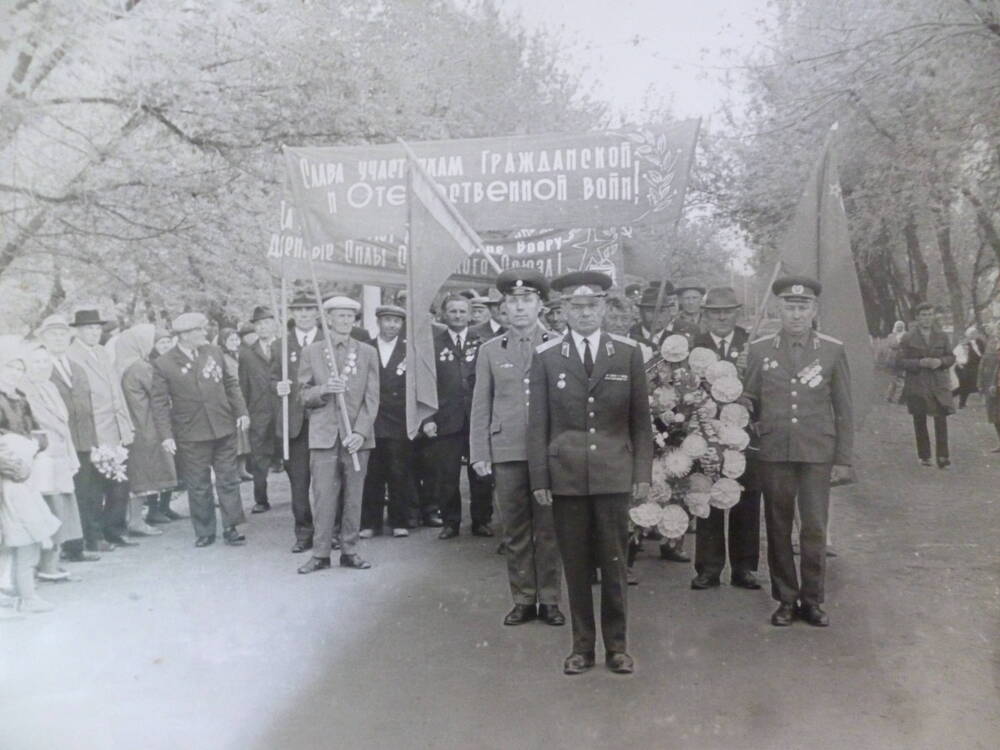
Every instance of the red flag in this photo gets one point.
(818, 244)
(439, 241)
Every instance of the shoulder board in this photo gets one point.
(494, 342)
(623, 339)
(831, 339)
(763, 338)
(551, 343)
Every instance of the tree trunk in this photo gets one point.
(989, 230)
(942, 231)
(919, 272)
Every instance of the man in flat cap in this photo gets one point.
(730, 342)
(688, 321)
(259, 394)
(800, 384)
(554, 316)
(391, 464)
(590, 450)
(337, 485)
(491, 326)
(197, 407)
(499, 448)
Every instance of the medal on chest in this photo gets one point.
(446, 355)
(212, 371)
(561, 381)
(812, 374)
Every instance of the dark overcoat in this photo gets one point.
(391, 419)
(926, 391)
(150, 468)
(296, 410)
(456, 379)
(989, 371)
(260, 396)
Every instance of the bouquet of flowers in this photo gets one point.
(699, 437)
(110, 461)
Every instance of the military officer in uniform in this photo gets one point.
(801, 387)
(197, 407)
(498, 446)
(590, 449)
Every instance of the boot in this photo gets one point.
(164, 506)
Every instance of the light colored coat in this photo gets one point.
(111, 417)
(50, 411)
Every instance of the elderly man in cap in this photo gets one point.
(337, 486)
(197, 408)
(255, 383)
(498, 447)
(648, 330)
(554, 315)
(491, 326)
(688, 321)
(105, 498)
(391, 464)
(800, 384)
(590, 450)
(730, 342)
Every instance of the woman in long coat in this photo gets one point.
(925, 356)
(968, 354)
(989, 380)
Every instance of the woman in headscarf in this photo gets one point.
(968, 354)
(150, 468)
(229, 340)
(26, 524)
(56, 465)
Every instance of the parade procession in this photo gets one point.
(499, 374)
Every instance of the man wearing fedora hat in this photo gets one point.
(255, 383)
(729, 341)
(106, 498)
(647, 330)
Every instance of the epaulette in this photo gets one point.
(551, 343)
(831, 339)
(763, 338)
(623, 339)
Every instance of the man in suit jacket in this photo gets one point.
(689, 320)
(106, 499)
(391, 463)
(590, 449)
(729, 341)
(304, 310)
(337, 485)
(259, 394)
(492, 326)
(71, 381)
(498, 446)
(800, 384)
(197, 407)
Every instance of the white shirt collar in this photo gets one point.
(719, 339)
(305, 337)
(494, 326)
(464, 333)
(385, 349)
(594, 339)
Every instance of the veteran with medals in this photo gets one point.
(801, 387)
(590, 449)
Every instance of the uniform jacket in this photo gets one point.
(296, 411)
(76, 396)
(736, 347)
(923, 387)
(456, 378)
(684, 325)
(150, 468)
(360, 367)
(196, 399)
(484, 331)
(803, 415)
(391, 419)
(258, 393)
(111, 419)
(498, 426)
(589, 436)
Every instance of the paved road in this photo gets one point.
(165, 646)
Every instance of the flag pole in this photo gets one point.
(285, 450)
(763, 303)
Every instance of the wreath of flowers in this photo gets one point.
(699, 437)
(110, 461)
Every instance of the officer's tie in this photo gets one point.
(588, 359)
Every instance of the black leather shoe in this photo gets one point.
(79, 557)
(669, 553)
(814, 615)
(448, 532)
(434, 520)
(120, 541)
(620, 663)
(233, 537)
(261, 508)
(173, 515)
(744, 579)
(631, 577)
(551, 615)
(313, 564)
(301, 547)
(481, 529)
(354, 561)
(204, 541)
(156, 518)
(578, 663)
(944, 463)
(520, 614)
(704, 581)
(783, 615)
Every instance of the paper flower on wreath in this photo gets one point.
(696, 396)
(733, 437)
(661, 492)
(674, 348)
(673, 522)
(735, 414)
(698, 482)
(660, 477)
(645, 515)
(734, 464)
(726, 390)
(719, 370)
(726, 493)
(699, 503)
(677, 464)
(694, 445)
(701, 359)
(665, 398)
(708, 409)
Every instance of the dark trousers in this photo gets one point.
(260, 460)
(103, 504)
(786, 484)
(444, 454)
(297, 469)
(480, 494)
(589, 529)
(924, 439)
(389, 466)
(744, 537)
(196, 459)
(424, 502)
